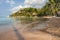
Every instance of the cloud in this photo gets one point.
(11, 2)
(35, 2)
(15, 9)
(30, 3)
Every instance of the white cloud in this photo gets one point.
(15, 9)
(35, 2)
(11, 2)
(30, 3)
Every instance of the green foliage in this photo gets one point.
(50, 9)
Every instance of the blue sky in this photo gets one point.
(9, 6)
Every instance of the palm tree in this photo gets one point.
(55, 6)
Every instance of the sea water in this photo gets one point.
(5, 24)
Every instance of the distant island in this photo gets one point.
(52, 8)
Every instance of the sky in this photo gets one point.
(8, 7)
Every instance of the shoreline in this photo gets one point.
(26, 34)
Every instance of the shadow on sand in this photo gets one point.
(18, 34)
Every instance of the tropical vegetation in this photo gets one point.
(51, 8)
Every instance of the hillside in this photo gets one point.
(51, 8)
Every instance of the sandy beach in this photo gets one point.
(19, 31)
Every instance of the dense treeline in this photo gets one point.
(50, 9)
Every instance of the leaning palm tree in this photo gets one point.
(55, 6)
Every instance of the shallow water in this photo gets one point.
(7, 23)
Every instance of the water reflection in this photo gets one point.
(28, 20)
(32, 24)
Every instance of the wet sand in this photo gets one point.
(18, 31)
